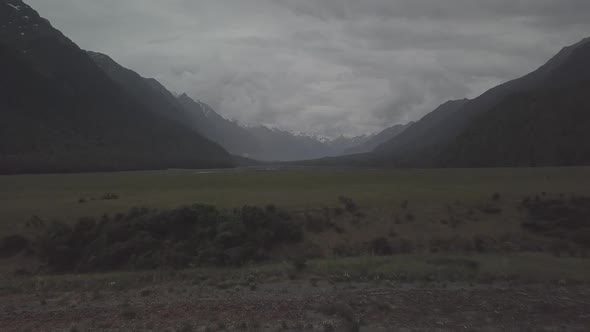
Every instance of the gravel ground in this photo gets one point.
(302, 305)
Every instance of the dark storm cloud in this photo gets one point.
(325, 66)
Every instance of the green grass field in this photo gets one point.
(57, 196)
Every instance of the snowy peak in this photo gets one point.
(206, 110)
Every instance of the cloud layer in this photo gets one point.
(332, 66)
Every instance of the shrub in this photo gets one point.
(560, 218)
(484, 243)
(489, 209)
(109, 196)
(380, 246)
(452, 244)
(36, 222)
(526, 201)
(148, 239)
(128, 313)
(314, 224)
(404, 204)
(299, 263)
(349, 249)
(348, 204)
(12, 244)
(402, 246)
(391, 233)
(338, 211)
(312, 251)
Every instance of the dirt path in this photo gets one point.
(299, 305)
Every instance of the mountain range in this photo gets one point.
(60, 112)
(540, 119)
(63, 109)
(256, 142)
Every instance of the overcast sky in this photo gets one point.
(324, 66)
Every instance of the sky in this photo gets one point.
(327, 67)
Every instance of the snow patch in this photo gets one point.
(206, 111)
(14, 7)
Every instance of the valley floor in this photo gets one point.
(385, 250)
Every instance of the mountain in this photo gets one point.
(149, 92)
(280, 145)
(420, 134)
(373, 141)
(228, 134)
(183, 109)
(549, 126)
(257, 142)
(261, 142)
(59, 112)
(544, 128)
(536, 120)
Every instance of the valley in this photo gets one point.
(343, 200)
(379, 249)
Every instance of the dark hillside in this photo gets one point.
(61, 113)
(538, 112)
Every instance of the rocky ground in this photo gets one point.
(299, 304)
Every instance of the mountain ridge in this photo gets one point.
(61, 113)
(483, 132)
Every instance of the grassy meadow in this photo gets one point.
(427, 191)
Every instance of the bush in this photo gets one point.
(183, 237)
(348, 204)
(299, 263)
(128, 313)
(380, 246)
(484, 243)
(314, 224)
(312, 251)
(109, 196)
(349, 249)
(12, 245)
(452, 244)
(489, 209)
(402, 246)
(560, 218)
